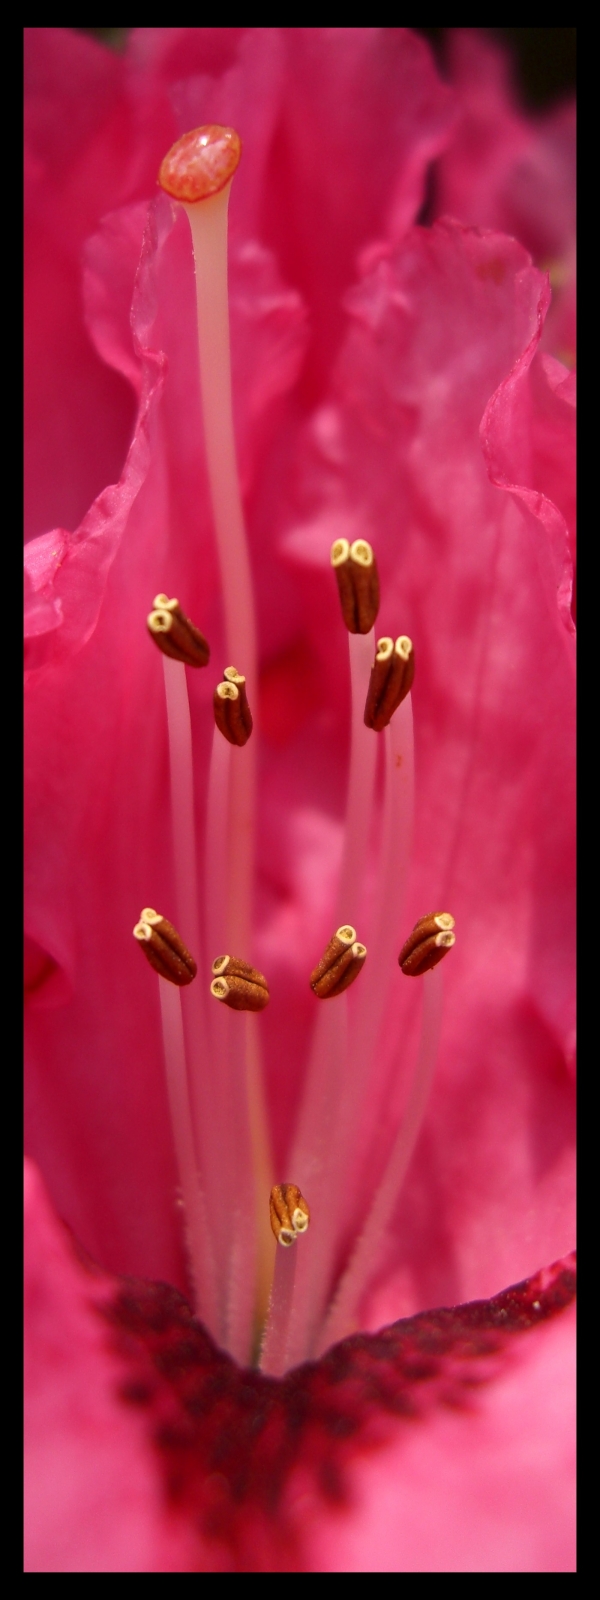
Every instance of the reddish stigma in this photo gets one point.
(201, 163)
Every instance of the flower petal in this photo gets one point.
(92, 1499)
(422, 1448)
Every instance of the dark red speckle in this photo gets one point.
(228, 1438)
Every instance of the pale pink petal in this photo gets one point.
(486, 1489)
(93, 1501)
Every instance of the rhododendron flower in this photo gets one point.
(390, 385)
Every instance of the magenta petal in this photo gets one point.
(78, 414)
(446, 436)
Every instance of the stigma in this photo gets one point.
(200, 164)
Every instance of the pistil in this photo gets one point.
(197, 172)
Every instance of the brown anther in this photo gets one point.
(340, 964)
(355, 568)
(391, 679)
(175, 635)
(431, 937)
(239, 985)
(232, 712)
(164, 949)
(201, 163)
(289, 1213)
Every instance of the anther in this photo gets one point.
(200, 164)
(355, 568)
(238, 985)
(429, 941)
(289, 1213)
(232, 712)
(340, 964)
(175, 635)
(164, 949)
(391, 679)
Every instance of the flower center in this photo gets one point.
(213, 1050)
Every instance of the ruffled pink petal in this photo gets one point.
(363, 115)
(513, 172)
(78, 414)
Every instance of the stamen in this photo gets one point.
(183, 822)
(175, 635)
(232, 712)
(205, 1087)
(340, 964)
(243, 989)
(342, 1087)
(355, 568)
(168, 955)
(289, 1216)
(315, 1137)
(236, 1073)
(360, 1268)
(391, 883)
(391, 680)
(164, 949)
(201, 1258)
(428, 943)
(361, 781)
(288, 1212)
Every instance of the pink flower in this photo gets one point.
(389, 383)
